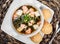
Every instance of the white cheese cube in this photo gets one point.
(37, 14)
(19, 12)
(30, 24)
(35, 26)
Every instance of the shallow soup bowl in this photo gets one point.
(41, 15)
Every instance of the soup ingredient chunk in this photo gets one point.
(36, 38)
(32, 14)
(47, 28)
(37, 14)
(25, 9)
(46, 14)
(19, 12)
(23, 26)
(31, 10)
(32, 21)
(28, 31)
(38, 23)
(15, 16)
(35, 26)
(29, 24)
(19, 29)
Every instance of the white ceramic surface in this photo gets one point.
(7, 26)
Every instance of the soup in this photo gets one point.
(26, 19)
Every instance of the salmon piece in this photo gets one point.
(15, 16)
(25, 9)
(38, 23)
(31, 10)
(23, 26)
(28, 31)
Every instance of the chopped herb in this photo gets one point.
(26, 18)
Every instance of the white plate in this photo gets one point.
(7, 24)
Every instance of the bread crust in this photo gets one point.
(47, 28)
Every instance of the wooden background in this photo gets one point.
(53, 4)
